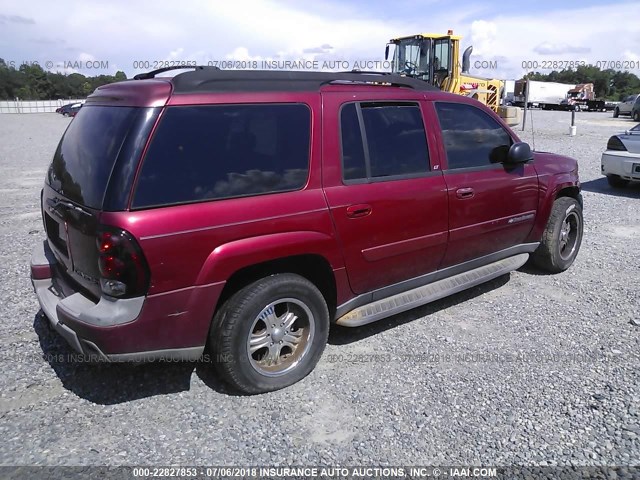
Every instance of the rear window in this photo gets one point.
(87, 152)
(389, 143)
(210, 152)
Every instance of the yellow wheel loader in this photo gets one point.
(434, 58)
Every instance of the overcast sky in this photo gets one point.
(119, 33)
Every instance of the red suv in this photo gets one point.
(247, 210)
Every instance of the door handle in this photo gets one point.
(464, 193)
(357, 211)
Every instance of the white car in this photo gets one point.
(621, 159)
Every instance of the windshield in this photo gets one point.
(87, 152)
(412, 57)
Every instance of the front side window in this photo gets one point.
(382, 141)
(210, 152)
(471, 137)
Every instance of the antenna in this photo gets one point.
(533, 134)
(526, 103)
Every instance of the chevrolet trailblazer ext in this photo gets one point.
(247, 210)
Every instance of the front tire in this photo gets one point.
(636, 116)
(616, 181)
(270, 334)
(562, 236)
(616, 112)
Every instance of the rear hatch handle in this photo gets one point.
(56, 203)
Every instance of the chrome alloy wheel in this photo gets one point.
(280, 337)
(569, 234)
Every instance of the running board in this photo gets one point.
(404, 301)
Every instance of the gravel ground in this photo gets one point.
(528, 369)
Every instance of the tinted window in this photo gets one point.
(353, 161)
(395, 143)
(85, 156)
(209, 152)
(471, 137)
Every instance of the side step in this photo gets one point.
(404, 301)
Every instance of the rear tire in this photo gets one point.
(270, 334)
(616, 112)
(562, 236)
(636, 116)
(616, 181)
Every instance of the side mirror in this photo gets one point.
(519, 153)
(386, 52)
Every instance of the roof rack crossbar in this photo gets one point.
(390, 80)
(208, 79)
(153, 73)
(366, 72)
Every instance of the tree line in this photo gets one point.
(607, 84)
(32, 82)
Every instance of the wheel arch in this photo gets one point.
(566, 187)
(572, 191)
(312, 255)
(313, 267)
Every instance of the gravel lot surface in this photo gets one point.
(528, 369)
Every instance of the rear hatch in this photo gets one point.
(92, 171)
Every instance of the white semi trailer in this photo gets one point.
(545, 95)
(508, 92)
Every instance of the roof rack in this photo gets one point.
(211, 79)
(153, 73)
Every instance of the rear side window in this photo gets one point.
(88, 150)
(211, 152)
(382, 141)
(471, 137)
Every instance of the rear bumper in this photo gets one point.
(168, 326)
(623, 164)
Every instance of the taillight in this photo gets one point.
(123, 269)
(615, 143)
